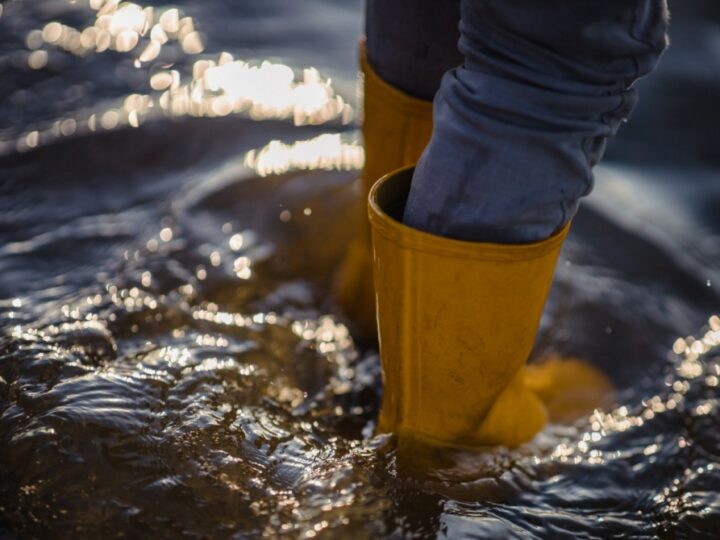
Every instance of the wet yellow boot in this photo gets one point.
(457, 321)
(396, 129)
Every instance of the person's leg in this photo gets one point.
(412, 43)
(409, 45)
(520, 125)
(517, 130)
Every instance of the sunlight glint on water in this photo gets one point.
(216, 87)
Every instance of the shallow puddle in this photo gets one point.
(172, 362)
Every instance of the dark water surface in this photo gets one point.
(172, 363)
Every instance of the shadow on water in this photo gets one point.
(172, 362)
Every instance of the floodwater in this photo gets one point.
(175, 192)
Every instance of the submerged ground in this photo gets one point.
(171, 360)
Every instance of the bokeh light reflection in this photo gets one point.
(211, 88)
(327, 151)
(695, 358)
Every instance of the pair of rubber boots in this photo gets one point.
(456, 320)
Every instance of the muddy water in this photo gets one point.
(172, 363)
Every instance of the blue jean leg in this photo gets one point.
(412, 43)
(520, 124)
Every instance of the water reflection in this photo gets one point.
(193, 372)
(694, 360)
(326, 152)
(267, 91)
(211, 88)
(122, 27)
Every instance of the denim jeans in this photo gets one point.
(526, 94)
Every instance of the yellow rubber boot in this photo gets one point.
(457, 321)
(569, 388)
(396, 128)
